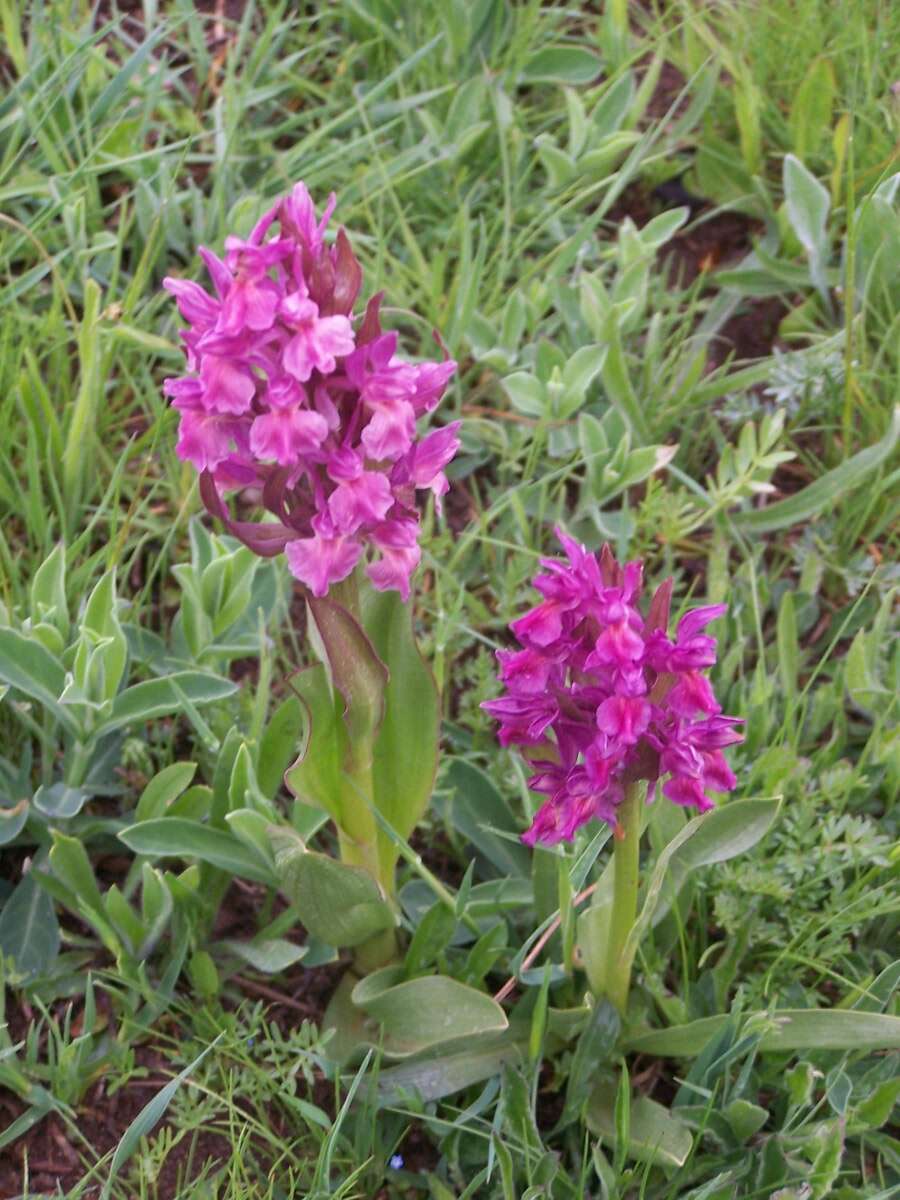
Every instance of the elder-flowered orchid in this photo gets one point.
(600, 696)
(291, 394)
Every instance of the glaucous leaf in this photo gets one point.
(655, 1136)
(414, 1014)
(342, 905)
(175, 837)
(29, 932)
(158, 697)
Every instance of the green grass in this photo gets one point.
(484, 186)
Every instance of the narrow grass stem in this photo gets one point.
(625, 894)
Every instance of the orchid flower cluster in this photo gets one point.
(600, 696)
(287, 393)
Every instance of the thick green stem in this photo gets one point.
(625, 893)
(358, 832)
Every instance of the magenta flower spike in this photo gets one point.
(289, 393)
(600, 696)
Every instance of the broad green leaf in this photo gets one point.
(662, 228)
(614, 105)
(355, 670)
(29, 932)
(101, 619)
(12, 821)
(581, 368)
(561, 64)
(406, 751)
(595, 1045)
(618, 385)
(788, 645)
(156, 908)
(48, 590)
(60, 801)
(527, 393)
(812, 108)
(123, 919)
(251, 827)
(654, 1134)
(480, 814)
(162, 789)
(431, 938)
(792, 1029)
(808, 203)
(158, 697)
(417, 1013)
(745, 1118)
(174, 837)
(148, 1118)
(195, 804)
(278, 745)
(441, 1072)
(880, 992)
(268, 956)
(712, 837)
(72, 867)
(592, 936)
(824, 492)
(317, 777)
(27, 666)
(340, 904)
(876, 1109)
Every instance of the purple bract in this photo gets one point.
(600, 696)
(290, 394)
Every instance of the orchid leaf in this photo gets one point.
(411, 1015)
(175, 837)
(655, 1136)
(354, 668)
(713, 837)
(789, 1029)
(316, 778)
(406, 751)
(340, 904)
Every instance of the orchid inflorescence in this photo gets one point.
(600, 696)
(289, 394)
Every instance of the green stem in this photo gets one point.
(78, 763)
(625, 893)
(358, 832)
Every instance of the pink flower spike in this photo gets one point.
(693, 694)
(297, 215)
(317, 342)
(287, 435)
(338, 463)
(687, 792)
(320, 561)
(194, 303)
(623, 719)
(361, 501)
(221, 276)
(601, 697)
(431, 455)
(205, 438)
(540, 627)
(228, 386)
(233, 473)
(399, 545)
(528, 670)
(430, 382)
(390, 432)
